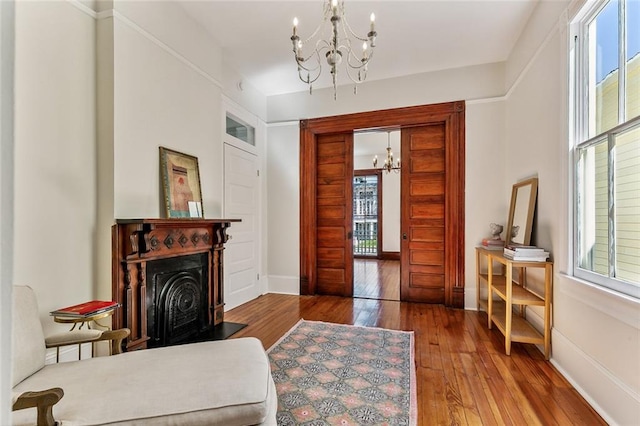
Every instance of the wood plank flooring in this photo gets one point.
(463, 375)
(376, 279)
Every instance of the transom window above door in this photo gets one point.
(240, 130)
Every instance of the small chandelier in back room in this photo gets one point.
(388, 162)
(335, 43)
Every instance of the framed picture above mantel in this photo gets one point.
(181, 190)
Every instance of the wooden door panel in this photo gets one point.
(427, 280)
(331, 150)
(330, 257)
(434, 185)
(334, 256)
(431, 137)
(331, 212)
(426, 256)
(433, 210)
(330, 170)
(331, 278)
(330, 236)
(423, 201)
(427, 234)
(427, 161)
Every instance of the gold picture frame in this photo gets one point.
(180, 178)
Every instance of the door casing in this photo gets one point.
(450, 112)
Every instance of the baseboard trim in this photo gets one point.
(284, 284)
(390, 255)
(612, 399)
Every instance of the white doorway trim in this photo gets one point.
(244, 198)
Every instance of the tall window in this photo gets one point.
(605, 67)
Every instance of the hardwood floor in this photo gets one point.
(376, 279)
(463, 375)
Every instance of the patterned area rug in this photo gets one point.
(333, 374)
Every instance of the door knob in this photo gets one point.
(404, 235)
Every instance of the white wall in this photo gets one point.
(283, 191)
(243, 93)
(476, 82)
(596, 334)
(7, 9)
(166, 93)
(484, 150)
(55, 153)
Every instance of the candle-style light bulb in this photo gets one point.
(373, 20)
(295, 25)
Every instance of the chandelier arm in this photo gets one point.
(311, 71)
(359, 63)
(316, 53)
(302, 63)
(353, 79)
(308, 80)
(315, 33)
(348, 27)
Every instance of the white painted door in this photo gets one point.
(241, 201)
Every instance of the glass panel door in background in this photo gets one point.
(365, 215)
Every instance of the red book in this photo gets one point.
(85, 309)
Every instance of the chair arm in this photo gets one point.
(43, 401)
(74, 337)
(116, 337)
(77, 337)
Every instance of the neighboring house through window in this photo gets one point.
(605, 136)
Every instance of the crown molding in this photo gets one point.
(111, 13)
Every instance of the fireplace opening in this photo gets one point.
(177, 299)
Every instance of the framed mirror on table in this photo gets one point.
(521, 212)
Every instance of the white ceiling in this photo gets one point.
(413, 36)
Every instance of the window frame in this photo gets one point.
(580, 104)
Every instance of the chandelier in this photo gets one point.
(335, 43)
(388, 162)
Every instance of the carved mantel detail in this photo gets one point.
(138, 241)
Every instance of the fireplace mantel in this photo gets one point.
(135, 242)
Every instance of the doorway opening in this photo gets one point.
(376, 217)
(432, 196)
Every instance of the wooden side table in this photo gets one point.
(510, 294)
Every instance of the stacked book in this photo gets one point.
(85, 310)
(525, 253)
(492, 244)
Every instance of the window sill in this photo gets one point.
(617, 305)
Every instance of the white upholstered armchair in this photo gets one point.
(210, 383)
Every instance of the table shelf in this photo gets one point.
(500, 312)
